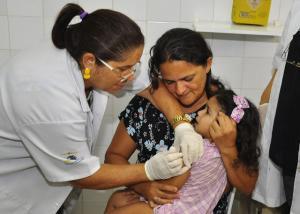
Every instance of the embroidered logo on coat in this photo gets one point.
(71, 157)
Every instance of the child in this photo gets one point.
(204, 187)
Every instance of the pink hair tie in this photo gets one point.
(241, 103)
(83, 15)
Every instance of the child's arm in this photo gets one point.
(177, 181)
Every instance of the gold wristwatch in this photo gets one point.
(183, 117)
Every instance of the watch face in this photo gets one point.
(188, 117)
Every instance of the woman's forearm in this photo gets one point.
(110, 175)
(167, 103)
(115, 159)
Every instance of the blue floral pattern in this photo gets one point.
(148, 128)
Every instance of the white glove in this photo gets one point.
(189, 142)
(164, 165)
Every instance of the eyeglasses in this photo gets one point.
(132, 68)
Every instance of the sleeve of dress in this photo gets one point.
(131, 118)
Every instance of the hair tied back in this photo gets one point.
(83, 15)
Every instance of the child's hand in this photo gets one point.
(223, 133)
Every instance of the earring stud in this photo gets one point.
(87, 73)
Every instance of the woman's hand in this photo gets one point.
(223, 133)
(157, 193)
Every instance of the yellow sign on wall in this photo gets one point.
(254, 12)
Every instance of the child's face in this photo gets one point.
(206, 117)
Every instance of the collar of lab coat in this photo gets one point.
(100, 98)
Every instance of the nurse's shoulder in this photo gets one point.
(39, 87)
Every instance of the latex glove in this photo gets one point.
(189, 142)
(164, 165)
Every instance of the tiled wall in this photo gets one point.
(244, 62)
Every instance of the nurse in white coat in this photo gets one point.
(52, 102)
(270, 185)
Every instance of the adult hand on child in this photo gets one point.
(189, 142)
(165, 165)
(223, 133)
(157, 193)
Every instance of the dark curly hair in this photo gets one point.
(181, 44)
(248, 130)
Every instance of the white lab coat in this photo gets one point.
(47, 129)
(269, 188)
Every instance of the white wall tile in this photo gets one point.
(48, 25)
(142, 74)
(196, 10)
(155, 30)
(135, 9)
(24, 8)
(4, 32)
(53, 7)
(222, 10)
(256, 73)
(163, 11)
(237, 91)
(25, 31)
(3, 7)
(106, 133)
(188, 25)
(4, 56)
(229, 70)
(263, 46)
(14, 52)
(143, 27)
(91, 5)
(252, 94)
(228, 45)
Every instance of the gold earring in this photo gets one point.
(87, 73)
